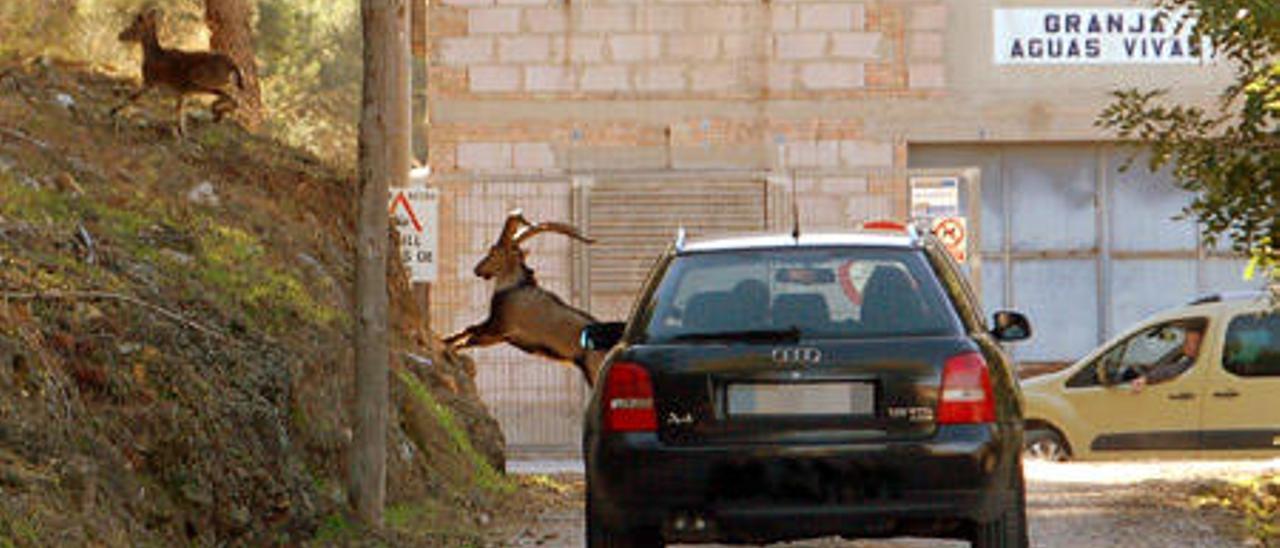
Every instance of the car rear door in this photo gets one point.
(1241, 409)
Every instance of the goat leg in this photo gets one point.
(182, 118)
(476, 335)
(590, 366)
(224, 105)
(133, 97)
(452, 340)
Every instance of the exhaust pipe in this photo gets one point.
(690, 525)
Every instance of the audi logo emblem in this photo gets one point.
(800, 355)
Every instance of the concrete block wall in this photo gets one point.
(683, 48)
(553, 88)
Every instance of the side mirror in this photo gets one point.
(1010, 326)
(602, 336)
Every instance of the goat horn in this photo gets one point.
(567, 230)
(515, 219)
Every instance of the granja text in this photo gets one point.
(1140, 35)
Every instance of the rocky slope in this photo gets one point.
(175, 357)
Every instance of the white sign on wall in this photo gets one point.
(933, 197)
(415, 214)
(1091, 36)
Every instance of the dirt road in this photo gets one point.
(1069, 505)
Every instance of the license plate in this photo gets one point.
(828, 398)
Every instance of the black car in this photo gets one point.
(770, 388)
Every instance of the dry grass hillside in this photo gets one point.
(175, 357)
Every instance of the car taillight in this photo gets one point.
(966, 391)
(628, 399)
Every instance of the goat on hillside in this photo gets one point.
(521, 312)
(184, 72)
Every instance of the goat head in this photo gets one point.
(505, 257)
(143, 24)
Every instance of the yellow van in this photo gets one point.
(1201, 380)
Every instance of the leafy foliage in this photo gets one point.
(309, 54)
(1258, 498)
(86, 29)
(1228, 155)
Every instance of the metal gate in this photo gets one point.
(1082, 246)
(635, 220)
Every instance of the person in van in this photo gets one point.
(1170, 369)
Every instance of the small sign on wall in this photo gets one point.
(1092, 36)
(954, 233)
(933, 197)
(415, 214)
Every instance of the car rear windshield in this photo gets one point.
(819, 293)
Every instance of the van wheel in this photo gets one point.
(1009, 530)
(601, 536)
(1045, 445)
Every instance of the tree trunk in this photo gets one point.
(231, 32)
(384, 163)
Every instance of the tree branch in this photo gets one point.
(109, 296)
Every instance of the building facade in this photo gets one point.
(633, 117)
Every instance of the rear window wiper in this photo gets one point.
(790, 334)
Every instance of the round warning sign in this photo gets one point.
(953, 232)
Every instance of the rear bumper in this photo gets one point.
(766, 493)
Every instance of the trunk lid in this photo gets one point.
(806, 391)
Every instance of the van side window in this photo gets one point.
(1252, 347)
(1088, 375)
(1161, 352)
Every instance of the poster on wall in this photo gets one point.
(1092, 36)
(933, 197)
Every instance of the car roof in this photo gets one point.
(1215, 305)
(870, 238)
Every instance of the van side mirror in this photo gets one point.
(1010, 326)
(602, 336)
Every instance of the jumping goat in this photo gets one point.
(521, 312)
(184, 72)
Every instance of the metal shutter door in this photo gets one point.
(634, 221)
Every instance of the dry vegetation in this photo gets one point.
(174, 356)
(1255, 500)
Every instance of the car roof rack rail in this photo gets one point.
(1228, 296)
